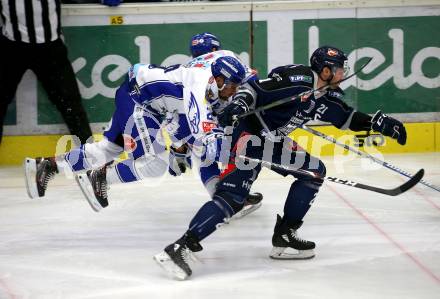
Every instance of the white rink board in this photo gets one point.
(368, 245)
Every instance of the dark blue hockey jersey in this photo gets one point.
(289, 81)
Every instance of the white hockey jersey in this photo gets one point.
(177, 93)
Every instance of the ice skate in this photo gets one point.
(251, 204)
(38, 173)
(176, 256)
(93, 185)
(286, 243)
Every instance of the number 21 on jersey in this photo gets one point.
(320, 111)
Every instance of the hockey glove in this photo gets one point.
(226, 117)
(389, 126)
(212, 144)
(179, 161)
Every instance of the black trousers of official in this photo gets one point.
(52, 67)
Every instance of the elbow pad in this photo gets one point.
(245, 97)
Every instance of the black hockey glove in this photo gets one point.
(389, 126)
(179, 161)
(226, 117)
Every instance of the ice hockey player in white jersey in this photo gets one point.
(150, 98)
(180, 157)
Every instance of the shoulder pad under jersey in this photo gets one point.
(290, 75)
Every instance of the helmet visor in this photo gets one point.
(230, 85)
(344, 70)
(228, 90)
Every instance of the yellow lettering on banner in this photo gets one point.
(116, 20)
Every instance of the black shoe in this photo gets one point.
(94, 187)
(285, 237)
(175, 258)
(38, 173)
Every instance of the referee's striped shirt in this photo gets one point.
(31, 21)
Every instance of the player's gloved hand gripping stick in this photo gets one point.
(365, 155)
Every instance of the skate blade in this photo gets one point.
(166, 263)
(87, 190)
(246, 211)
(30, 172)
(279, 253)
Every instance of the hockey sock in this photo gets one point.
(206, 220)
(299, 199)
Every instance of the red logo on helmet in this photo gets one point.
(332, 52)
(197, 41)
(130, 144)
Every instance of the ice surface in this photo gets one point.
(368, 245)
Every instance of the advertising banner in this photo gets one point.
(403, 77)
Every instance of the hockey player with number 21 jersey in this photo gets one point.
(149, 99)
(262, 138)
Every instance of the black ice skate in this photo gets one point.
(287, 244)
(175, 258)
(251, 204)
(93, 184)
(38, 172)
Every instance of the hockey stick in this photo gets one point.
(302, 94)
(365, 155)
(301, 172)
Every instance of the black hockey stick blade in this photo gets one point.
(366, 155)
(391, 192)
(305, 173)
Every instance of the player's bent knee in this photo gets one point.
(229, 202)
(322, 170)
(314, 182)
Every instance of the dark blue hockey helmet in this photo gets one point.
(328, 56)
(203, 43)
(229, 68)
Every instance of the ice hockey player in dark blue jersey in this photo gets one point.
(263, 136)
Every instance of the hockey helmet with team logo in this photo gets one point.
(204, 43)
(230, 68)
(233, 74)
(328, 56)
